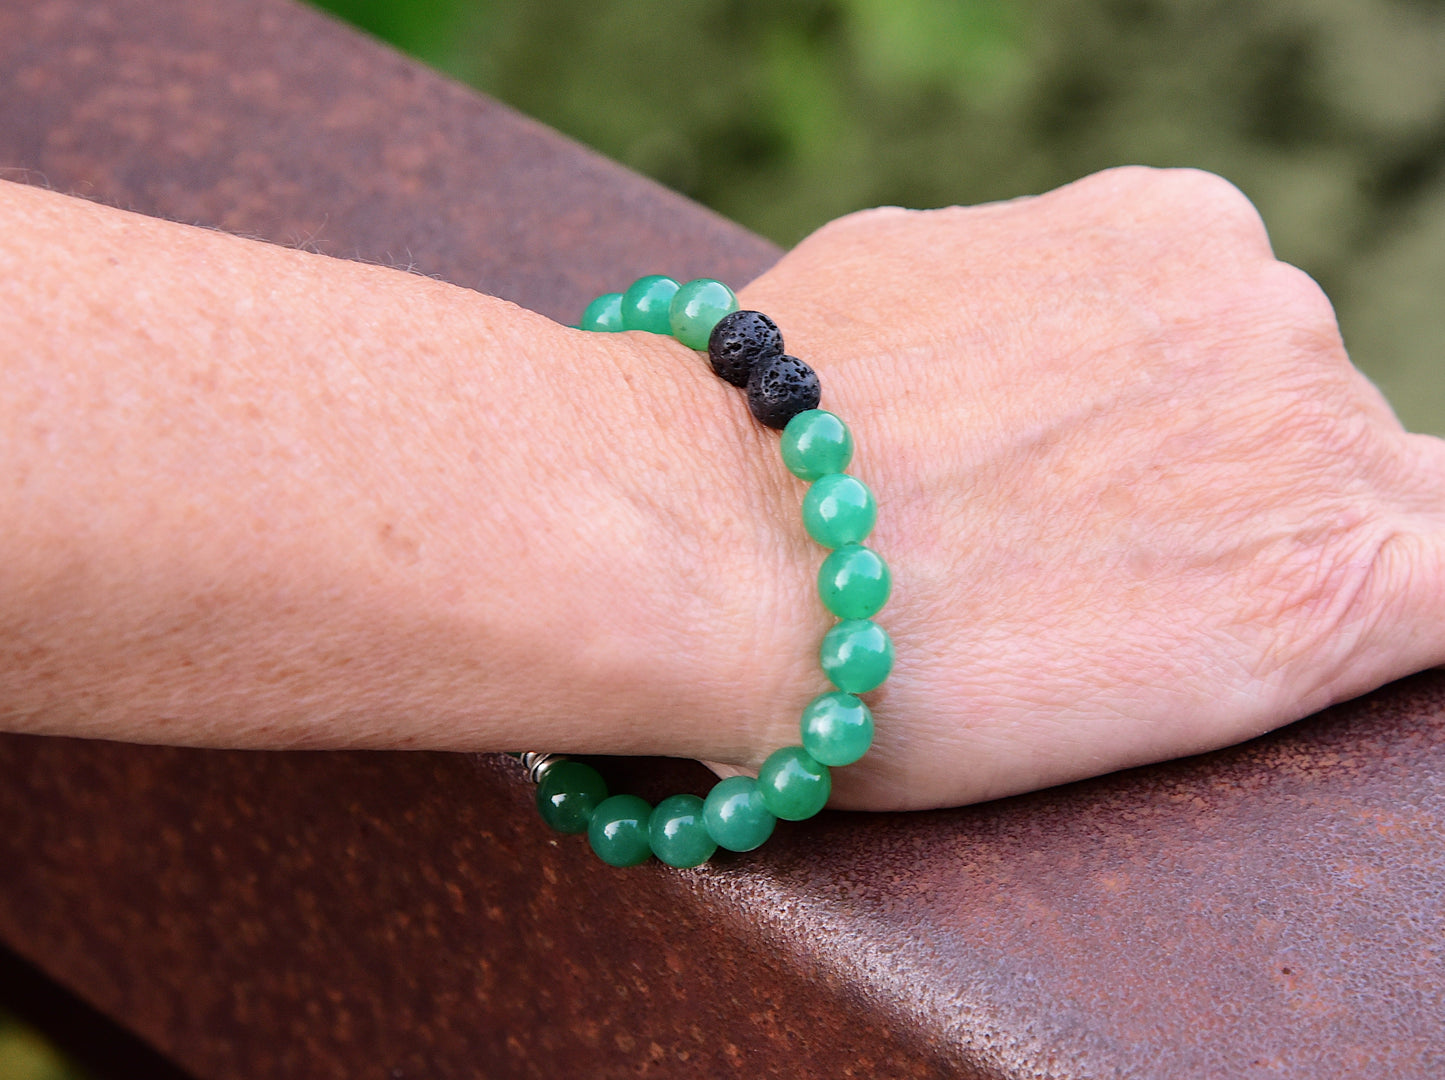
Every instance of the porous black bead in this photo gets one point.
(740, 342)
(780, 389)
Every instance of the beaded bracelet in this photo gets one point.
(746, 349)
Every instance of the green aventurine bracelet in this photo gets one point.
(739, 813)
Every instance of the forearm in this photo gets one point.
(258, 497)
(1135, 500)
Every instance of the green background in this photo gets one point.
(1330, 114)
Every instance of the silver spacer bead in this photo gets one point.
(538, 765)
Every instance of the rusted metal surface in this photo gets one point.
(1273, 910)
(267, 119)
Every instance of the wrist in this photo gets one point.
(608, 562)
(744, 348)
(695, 609)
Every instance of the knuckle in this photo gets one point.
(1202, 204)
(1204, 199)
(1207, 190)
(1298, 299)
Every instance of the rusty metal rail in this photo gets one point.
(1273, 910)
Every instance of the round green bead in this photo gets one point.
(677, 834)
(816, 443)
(794, 784)
(696, 309)
(735, 815)
(618, 830)
(854, 582)
(857, 655)
(837, 728)
(567, 795)
(838, 509)
(647, 303)
(604, 313)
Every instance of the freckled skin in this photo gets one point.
(1135, 500)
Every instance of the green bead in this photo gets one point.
(567, 795)
(735, 815)
(837, 728)
(618, 830)
(856, 655)
(838, 509)
(816, 443)
(854, 582)
(604, 313)
(677, 834)
(696, 309)
(795, 786)
(647, 302)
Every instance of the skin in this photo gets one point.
(1136, 501)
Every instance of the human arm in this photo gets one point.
(1138, 502)
(1135, 501)
(258, 497)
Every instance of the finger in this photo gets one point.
(1401, 607)
(1426, 603)
(1408, 633)
(1426, 454)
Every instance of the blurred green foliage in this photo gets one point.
(781, 114)
(24, 1055)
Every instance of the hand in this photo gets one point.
(1136, 500)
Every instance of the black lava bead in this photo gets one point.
(740, 342)
(780, 389)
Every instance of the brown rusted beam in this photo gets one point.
(1272, 910)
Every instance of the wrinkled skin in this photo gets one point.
(1137, 502)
